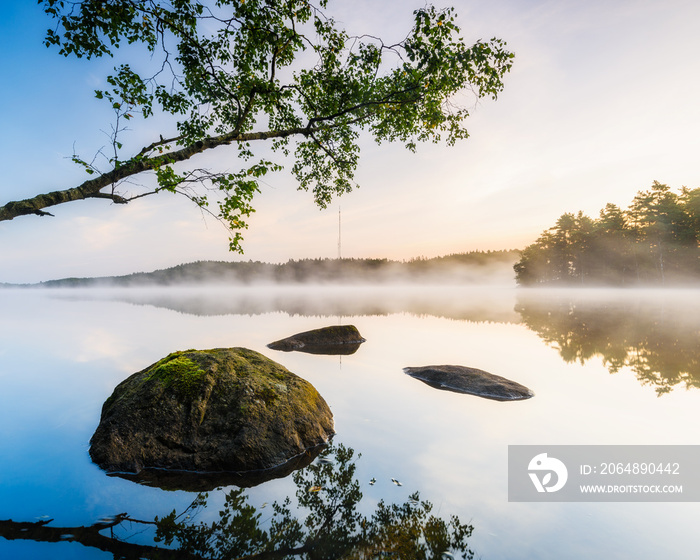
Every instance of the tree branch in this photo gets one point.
(91, 537)
(154, 145)
(92, 187)
(88, 536)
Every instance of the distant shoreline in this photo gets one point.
(463, 268)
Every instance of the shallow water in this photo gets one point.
(63, 351)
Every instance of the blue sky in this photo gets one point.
(603, 99)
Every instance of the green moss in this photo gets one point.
(178, 371)
(267, 395)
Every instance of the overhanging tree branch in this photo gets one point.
(92, 187)
(224, 69)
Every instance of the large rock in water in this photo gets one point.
(227, 409)
(339, 339)
(472, 381)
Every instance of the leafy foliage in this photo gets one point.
(324, 523)
(327, 524)
(656, 338)
(235, 71)
(656, 240)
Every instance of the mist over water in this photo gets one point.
(471, 303)
(64, 351)
(475, 268)
(655, 333)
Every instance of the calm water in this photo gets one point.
(606, 368)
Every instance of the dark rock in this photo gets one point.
(216, 411)
(339, 339)
(460, 379)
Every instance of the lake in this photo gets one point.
(607, 368)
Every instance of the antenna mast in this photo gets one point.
(339, 253)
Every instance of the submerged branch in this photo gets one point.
(89, 536)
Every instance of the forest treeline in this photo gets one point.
(655, 241)
(475, 266)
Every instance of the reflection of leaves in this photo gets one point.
(238, 522)
(658, 339)
(324, 524)
(411, 531)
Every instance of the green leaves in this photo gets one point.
(283, 70)
(326, 523)
(236, 205)
(89, 169)
(655, 241)
(167, 178)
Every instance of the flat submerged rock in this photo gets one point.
(471, 381)
(334, 340)
(226, 410)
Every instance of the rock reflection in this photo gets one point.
(656, 335)
(191, 481)
(322, 522)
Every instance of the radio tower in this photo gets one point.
(340, 317)
(339, 253)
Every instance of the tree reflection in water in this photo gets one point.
(324, 524)
(656, 336)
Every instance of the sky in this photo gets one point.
(603, 99)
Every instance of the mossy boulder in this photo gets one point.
(472, 381)
(337, 339)
(221, 410)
